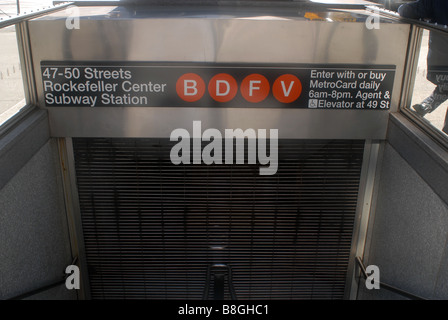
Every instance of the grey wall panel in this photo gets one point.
(424, 155)
(441, 289)
(409, 232)
(19, 144)
(57, 293)
(34, 240)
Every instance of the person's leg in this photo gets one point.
(431, 103)
(445, 126)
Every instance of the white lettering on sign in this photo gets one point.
(252, 87)
(287, 92)
(66, 99)
(218, 86)
(350, 89)
(190, 88)
(332, 87)
(92, 86)
(128, 86)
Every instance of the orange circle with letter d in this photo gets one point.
(222, 87)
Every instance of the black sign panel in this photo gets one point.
(125, 84)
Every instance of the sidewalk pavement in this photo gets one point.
(11, 84)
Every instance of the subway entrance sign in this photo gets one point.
(126, 84)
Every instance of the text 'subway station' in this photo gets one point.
(149, 85)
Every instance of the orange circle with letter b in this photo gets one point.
(190, 87)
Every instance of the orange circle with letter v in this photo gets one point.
(190, 87)
(287, 88)
(255, 88)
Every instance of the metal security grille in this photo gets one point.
(152, 229)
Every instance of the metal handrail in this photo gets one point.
(27, 16)
(420, 23)
(223, 3)
(387, 286)
(229, 282)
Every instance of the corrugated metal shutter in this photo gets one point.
(150, 226)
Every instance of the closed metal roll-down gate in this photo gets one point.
(157, 230)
